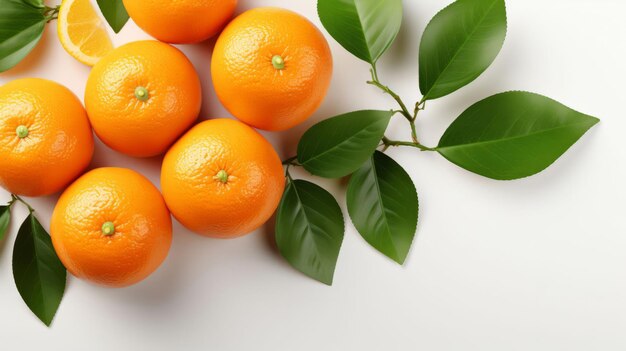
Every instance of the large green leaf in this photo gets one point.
(459, 44)
(309, 230)
(366, 28)
(338, 146)
(21, 27)
(383, 205)
(39, 274)
(5, 220)
(115, 13)
(513, 135)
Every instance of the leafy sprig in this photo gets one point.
(39, 275)
(507, 136)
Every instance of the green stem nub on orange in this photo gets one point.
(22, 131)
(108, 228)
(278, 62)
(222, 176)
(142, 93)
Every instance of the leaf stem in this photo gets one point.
(16, 198)
(414, 132)
(403, 109)
(388, 142)
(419, 106)
(292, 161)
(376, 82)
(51, 13)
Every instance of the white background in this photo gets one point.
(537, 264)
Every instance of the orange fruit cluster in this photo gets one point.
(271, 69)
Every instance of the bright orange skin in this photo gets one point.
(181, 21)
(59, 145)
(130, 125)
(208, 206)
(143, 227)
(249, 85)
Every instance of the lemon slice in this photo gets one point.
(82, 32)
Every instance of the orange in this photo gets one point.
(45, 137)
(111, 227)
(82, 32)
(141, 97)
(271, 68)
(181, 21)
(222, 179)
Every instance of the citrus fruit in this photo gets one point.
(181, 21)
(45, 137)
(142, 97)
(222, 179)
(82, 32)
(111, 227)
(271, 68)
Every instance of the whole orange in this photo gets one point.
(181, 21)
(111, 227)
(142, 96)
(271, 68)
(45, 137)
(222, 179)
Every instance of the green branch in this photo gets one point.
(376, 82)
(403, 109)
(292, 161)
(16, 198)
(51, 13)
(388, 142)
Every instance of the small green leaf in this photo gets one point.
(115, 13)
(338, 146)
(309, 230)
(366, 28)
(513, 135)
(459, 44)
(39, 274)
(5, 220)
(383, 205)
(21, 27)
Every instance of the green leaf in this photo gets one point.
(39, 274)
(459, 44)
(366, 28)
(338, 146)
(383, 205)
(513, 135)
(5, 220)
(309, 230)
(115, 13)
(21, 27)
(34, 3)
